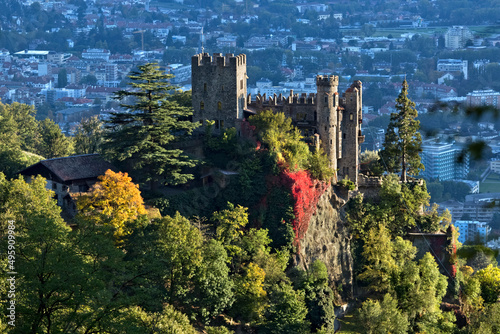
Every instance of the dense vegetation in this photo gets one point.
(216, 257)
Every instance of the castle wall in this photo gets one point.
(220, 94)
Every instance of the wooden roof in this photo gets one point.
(66, 169)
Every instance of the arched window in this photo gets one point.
(202, 105)
(219, 105)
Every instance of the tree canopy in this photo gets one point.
(402, 146)
(142, 136)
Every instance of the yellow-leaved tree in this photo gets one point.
(114, 200)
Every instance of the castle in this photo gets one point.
(219, 92)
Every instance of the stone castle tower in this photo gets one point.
(219, 88)
(220, 94)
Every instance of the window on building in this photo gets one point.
(217, 124)
(204, 87)
(351, 117)
(219, 105)
(222, 88)
(241, 84)
(300, 117)
(221, 123)
(326, 99)
(343, 135)
(201, 122)
(202, 105)
(54, 185)
(83, 188)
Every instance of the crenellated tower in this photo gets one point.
(351, 132)
(219, 87)
(327, 116)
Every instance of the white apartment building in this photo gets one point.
(453, 65)
(456, 37)
(96, 54)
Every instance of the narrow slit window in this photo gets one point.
(219, 105)
(202, 105)
(204, 87)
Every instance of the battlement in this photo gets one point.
(204, 59)
(327, 80)
(280, 100)
(355, 86)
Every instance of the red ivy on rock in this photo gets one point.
(306, 192)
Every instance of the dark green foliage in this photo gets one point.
(403, 142)
(318, 295)
(277, 217)
(213, 286)
(89, 136)
(142, 137)
(287, 311)
(53, 143)
(347, 184)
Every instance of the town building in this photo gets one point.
(32, 54)
(472, 231)
(453, 65)
(182, 73)
(441, 161)
(495, 165)
(456, 37)
(479, 207)
(486, 97)
(219, 94)
(96, 54)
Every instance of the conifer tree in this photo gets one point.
(403, 141)
(142, 136)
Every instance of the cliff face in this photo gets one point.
(327, 239)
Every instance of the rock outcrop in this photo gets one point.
(328, 240)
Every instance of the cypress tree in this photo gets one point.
(403, 143)
(142, 136)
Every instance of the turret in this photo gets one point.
(326, 117)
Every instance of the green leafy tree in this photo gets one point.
(251, 298)
(143, 135)
(490, 283)
(213, 286)
(168, 254)
(72, 281)
(283, 139)
(403, 141)
(383, 317)
(89, 135)
(287, 311)
(229, 226)
(53, 143)
(318, 295)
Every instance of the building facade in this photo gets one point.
(441, 162)
(471, 231)
(219, 93)
(454, 65)
(486, 97)
(456, 37)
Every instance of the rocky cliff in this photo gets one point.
(328, 240)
